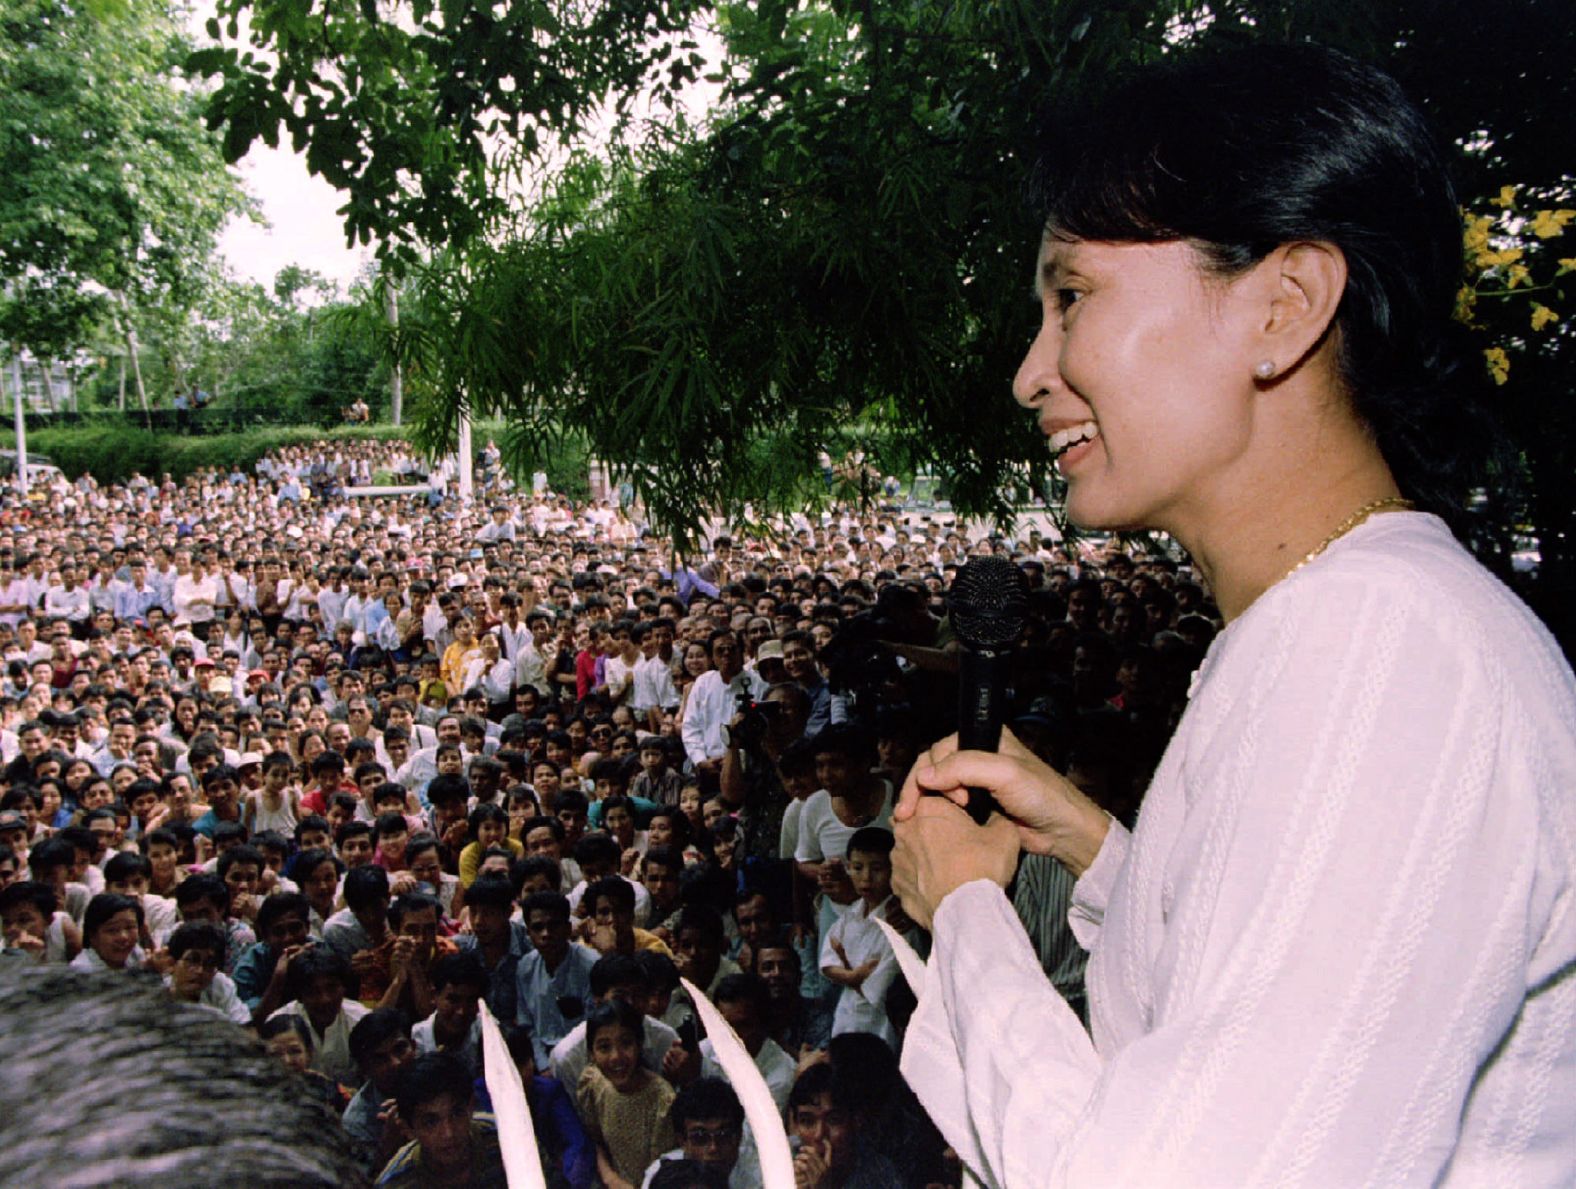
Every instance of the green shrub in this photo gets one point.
(112, 453)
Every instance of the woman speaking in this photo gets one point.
(1340, 946)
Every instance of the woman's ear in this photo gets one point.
(1298, 288)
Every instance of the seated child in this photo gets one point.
(489, 826)
(112, 927)
(453, 1145)
(318, 983)
(823, 1131)
(206, 898)
(290, 1040)
(197, 952)
(616, 976)
(709, 1121)
(34, 926)
(381, 1046)
(623, 1105)
(458, 982)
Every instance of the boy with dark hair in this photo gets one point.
(822, 1117)
(318, 983)
(856, 955)
(657, 781)
(535, 873)
(452, 1144)
(708, 1119)
(221, 788)
(284, 922)
(609, 926)
(743, 1001)
(34, 926)
(355, 844)
(458, 982)
(197, 952)
(599, 856)
(205, 897)
(414, 919)
(795, 1021)
(381, 1046)
(553, 982)
(498, 942)
(701, 939)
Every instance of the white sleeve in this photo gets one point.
(693, 732)
(1091, 893)
(808, 849)
(1350, 896)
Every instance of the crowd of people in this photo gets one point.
(340, 770)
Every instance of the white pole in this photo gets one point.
(21, 425)
(464, 459)
(396, 376)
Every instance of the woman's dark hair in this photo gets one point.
(317, 961)
(487, 812)
(104, 906)
(613, 1013)
(199, 935)
(1242, 151)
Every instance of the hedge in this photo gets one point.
(111, 453)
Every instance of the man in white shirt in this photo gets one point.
(13, 596)
(653, 690)
(536, 653)
(195, 594)
(68, 601)
(713, 702)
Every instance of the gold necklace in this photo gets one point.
(1394, 502)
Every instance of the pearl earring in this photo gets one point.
(1265, 369)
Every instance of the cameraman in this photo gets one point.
(713, 699)
(750, 784)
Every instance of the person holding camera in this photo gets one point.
(712, 702)
(749, 781)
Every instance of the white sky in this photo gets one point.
(303, 226)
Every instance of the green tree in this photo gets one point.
(396, 103)
(114, 192)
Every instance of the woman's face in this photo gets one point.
(696, 660)
(1151, 361)
(116, 938)
(319, 887)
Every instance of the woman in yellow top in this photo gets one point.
(458, 655)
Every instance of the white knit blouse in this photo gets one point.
(1340, 947)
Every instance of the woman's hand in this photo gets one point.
(1051, 815)
(939, 849)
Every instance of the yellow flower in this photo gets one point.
(1476, 232)
(1507, 197)
(1548, 224)
(1567, 265)
(1542, 316)
(1494, 259)
(1466, 303)
(1519, 275)
(1498, 364)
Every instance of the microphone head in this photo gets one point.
(988, 603)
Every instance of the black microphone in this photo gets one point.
(988, 604)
